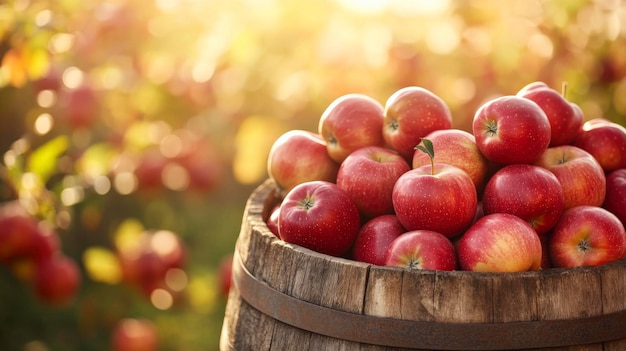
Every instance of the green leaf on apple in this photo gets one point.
(426, 146)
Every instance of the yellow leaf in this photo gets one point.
(126, 237)
(43, 160)
(102, 265)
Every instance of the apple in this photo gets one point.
(587, 236)
(422, 249)
(145, 263)
(57, 280)
(224, 274)
(272, 221)
(79, 106)
(511, 129)
(530, 192)
(130, 334)
(500, 242)
(351, 122)
(565, 119)
(203, 165)
(411, 113)
(320, 216)
(458, 148)
(18, 231)
(615, 200)
(299, 156)
(545, 251)
(368, 176)
(374, 238)
(606, 141)
(581, 176)
(438, 197)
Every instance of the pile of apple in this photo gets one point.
(533, 186)
(31, 251)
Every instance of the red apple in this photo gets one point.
(565, 119)
(57, 280)
(80, 106)
(272, 221)
(545, 251)
(349, 123)
(411, 113)
(458, 148)
(530, 192)
(581, 176)
(203, 166)
(320, 216)
(225, 273)
(500, 242)
(300, 156)
(606, 141)
(18, 232)
(587, 236)
(130, 334)
(374, 237)
(437, 197)
(511, 129)
(368, 176)
(615, 200)
(421, 249)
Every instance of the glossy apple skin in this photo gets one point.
(587, 236)
(615, 200)
(500, 242)
(422, 249)
(442, 200)
(565, 119)
(131, 334)
(368, 176)
(410, 114)
(606, 141)
(272, 221)
(57, 280)
(299, 156)
(581, 176)
(351, 122)
(458, 148)
(320, 216)
(374, 238)
(511, 129)
(530, 192)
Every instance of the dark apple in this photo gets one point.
(57, 280)
(374, 237)
(615, 200)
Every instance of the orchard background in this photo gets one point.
(122, 117)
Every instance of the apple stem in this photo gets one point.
(426, 146)
(564, 89)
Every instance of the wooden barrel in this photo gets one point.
(285, 297)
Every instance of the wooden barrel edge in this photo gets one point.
(415, 334)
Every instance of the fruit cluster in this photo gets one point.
(31, 250)
(534, 185)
